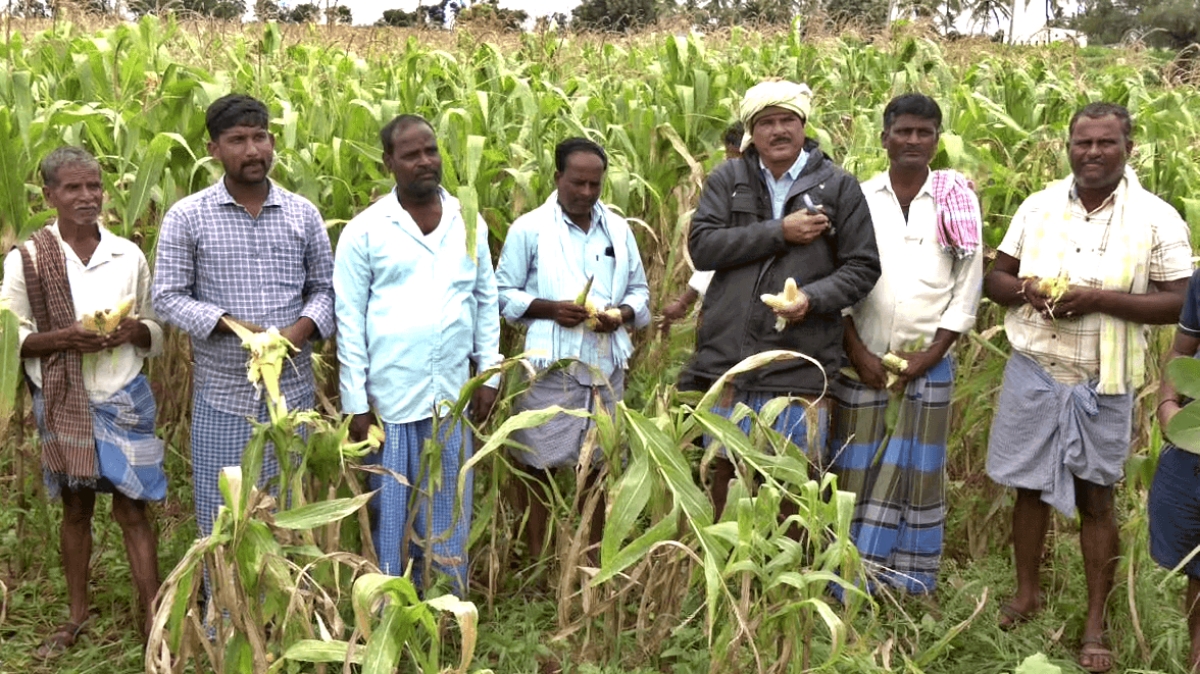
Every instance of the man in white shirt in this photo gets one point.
(928, 228)
(1062, 429)
(94, 409)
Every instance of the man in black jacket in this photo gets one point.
(783, 210)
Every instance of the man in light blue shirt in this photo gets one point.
(415, 310)
(549, 256)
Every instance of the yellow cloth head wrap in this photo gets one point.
(778, 93)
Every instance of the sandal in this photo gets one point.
(62, 638)
(1010, 617)
(1098, 658)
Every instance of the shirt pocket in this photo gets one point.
(930, 267)
(743, 202)
(285, 251)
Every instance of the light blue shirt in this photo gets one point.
(592, 251)
(412, 310)
(779, 188)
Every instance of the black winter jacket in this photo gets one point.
(734, 233)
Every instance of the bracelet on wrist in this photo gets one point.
(1168, 400)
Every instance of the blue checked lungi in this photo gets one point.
(1046, 433)
(792, 421)
(900, 509)
(439, 529)
(129, 457)
(218, 439)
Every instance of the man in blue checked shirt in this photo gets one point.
(414, 310)
(551, 254)
(248, 250)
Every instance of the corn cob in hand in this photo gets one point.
(785, 300)
(106, 321)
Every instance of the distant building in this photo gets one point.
(1048, 34)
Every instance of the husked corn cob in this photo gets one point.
(894, 364)
(1055, 287)
(791, 294)
(105, 321)
(268, 349)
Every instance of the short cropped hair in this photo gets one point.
(1101, 109)
(67, 155)
(235, 110)
(917, 105)
(387, 135)
(570, 146)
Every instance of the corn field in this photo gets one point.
(675, 591)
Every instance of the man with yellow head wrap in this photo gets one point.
(783, 210)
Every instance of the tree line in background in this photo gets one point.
(1172, 24)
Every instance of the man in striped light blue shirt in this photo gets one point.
(249, 250)
(414, 310)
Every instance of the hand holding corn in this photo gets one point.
(791, 305)
(1045, 294)
(611, 316)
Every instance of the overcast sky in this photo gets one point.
(1029, 18)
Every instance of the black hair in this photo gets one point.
(235, 110)
(917, 105)
(1101, 109)
(733, 134)
(65, 156)
(387, 135)
(570, 146)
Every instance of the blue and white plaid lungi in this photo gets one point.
(129, 456)
(435, 528)
(218, 439)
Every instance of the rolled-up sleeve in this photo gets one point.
(175, 279)
(486, 351)
(318, 282)
(637, 292)
(959, 315)
(513, 274)
(351, 288)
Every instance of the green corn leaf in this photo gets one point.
(468, 198)
(315, 650)
(628, 501)
(10, 366)
(321, 513)
(631, 554)
(1184, 428)
(1184, 374)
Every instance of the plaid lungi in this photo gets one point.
(438, 528)
(1046, 434)
(218, 439)
(900, 510)
(129, 456)
(791, 422)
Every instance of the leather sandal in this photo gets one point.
(63, 637)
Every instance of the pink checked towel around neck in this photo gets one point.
(958, 216)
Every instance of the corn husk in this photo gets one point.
(268, 350)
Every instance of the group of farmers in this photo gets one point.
(873, 281)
